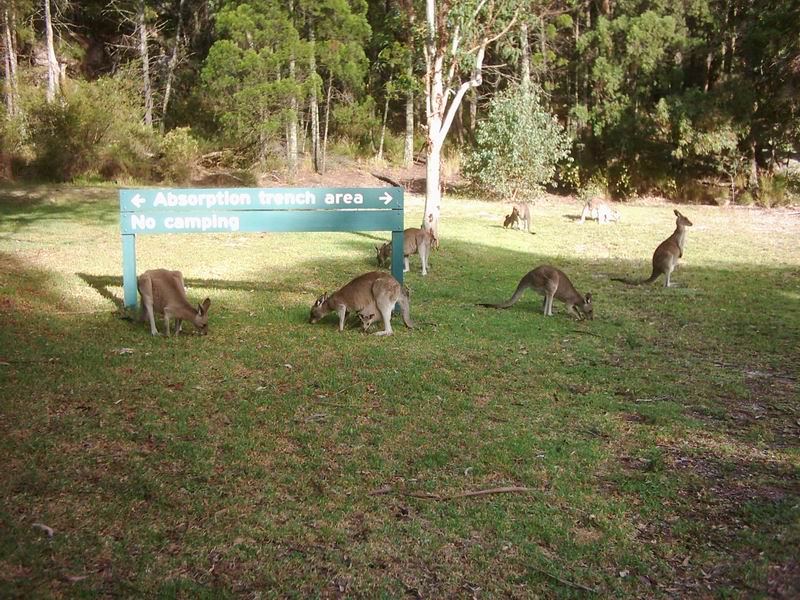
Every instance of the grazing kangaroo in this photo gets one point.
(415, 241)
(372, 294)
(164, 292)
(523, 213)
(511, 219)
(552, 283)
(666, 256)
(600, 210)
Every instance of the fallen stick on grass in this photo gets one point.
(428, 496)
(586, 332)
(566, 582)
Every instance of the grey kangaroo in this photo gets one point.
(164, 292)
(551, 283)
(666, 256)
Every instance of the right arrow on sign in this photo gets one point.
(386, 197)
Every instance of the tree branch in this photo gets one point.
(475, 81)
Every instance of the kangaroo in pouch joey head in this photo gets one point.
(666, 256)
(511, 219)
(415, 241)
(600, 210)
(164, 292)
(551, 283)
(372, 295)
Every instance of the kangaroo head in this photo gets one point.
(201, 317)
(366, 320)
(587, 308)
(682, 220)
(319, 309)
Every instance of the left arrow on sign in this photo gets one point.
(386, 197)
(137, 201)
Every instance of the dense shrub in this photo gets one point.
(517, 146)
(94, 129)
(11, 144)
(178, 156)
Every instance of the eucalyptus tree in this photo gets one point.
(53, 68)
(10, 59)
(456, 37)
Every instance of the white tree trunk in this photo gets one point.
(383, 128)
(292, 133)
(314, 106)
(327, 121)
(439, 113)
(173, 61)
(10, 63)
(408, 147)
(440, 118)
(53, 70)
(148, 92)
(525, 67)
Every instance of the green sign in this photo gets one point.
(148, 211)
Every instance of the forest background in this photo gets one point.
(694, 100)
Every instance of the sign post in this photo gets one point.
(146, 211)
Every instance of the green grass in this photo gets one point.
(659, 440)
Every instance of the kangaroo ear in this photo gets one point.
(677, 214)
(203, 308)
(589, 298)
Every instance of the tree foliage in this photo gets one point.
(517, 146)
(654, 94)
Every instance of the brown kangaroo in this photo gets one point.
(164, 292)
(666, 256)
(552, 283)
(415, 241)
(524, 214)
(374, 294)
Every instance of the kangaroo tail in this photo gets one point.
(650, 279)
(405, 307)
(523, 285)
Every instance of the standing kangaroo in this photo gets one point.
(552, 283)
(523, 214)
(415, 241)
(371, 294)
(666, 256)
(164, 292)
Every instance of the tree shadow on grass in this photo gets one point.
(21, 208)
(723, 485)
(102, 284)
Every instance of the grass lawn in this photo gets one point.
(274, 458)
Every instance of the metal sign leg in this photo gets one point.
(129, 270)
(397, 260)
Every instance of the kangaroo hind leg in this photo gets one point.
(386, 292)
(146, 292)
